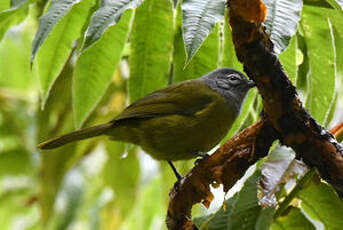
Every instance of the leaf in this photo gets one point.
(15, 162)
(199, 18)
(282, 21)
(4, 4)
(13, 16)
(58, 9)
(107, 15)
(337, 25)
(242, 117)
(57, 46)
(338, 5)
(322, 62)
(321, 203)
(219, 220)
(288, 59)
(95, 67)
(278, 168)
(54, 163)
(151, 46)
(246, 210)
(242, 210)
(294, 220)
(204, 61)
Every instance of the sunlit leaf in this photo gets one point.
(95, 67)
(57, 46)
(17, 63)
(151, 46)
(338, 5)
(288, 59)
(13, 16)
(107, 15)
(321, 203)
(282, 20)
(58, 9)
(199, 18)
(294, 219)
(337, 26)
(4, 4)
(322, 62)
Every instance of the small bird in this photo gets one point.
(179, 122)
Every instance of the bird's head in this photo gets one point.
(229, 83)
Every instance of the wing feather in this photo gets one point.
(185, 98)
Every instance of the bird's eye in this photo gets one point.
(234, 79)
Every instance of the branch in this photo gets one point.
(284, 118)
(296, 127)
(227, 165)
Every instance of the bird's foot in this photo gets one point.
(177, 174)
(201, 156)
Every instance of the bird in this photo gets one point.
(179, 122)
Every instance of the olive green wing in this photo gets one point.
(185, 98)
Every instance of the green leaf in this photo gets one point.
(245, 211)
(219, 220)
(58, 9)
(282, 21)
(294, 220)
(288, 59)
(13, 16)
(4, 4)
(54, 163)
(338, 5)
(204, 61)
(151, 46)
(321, 203)
(322, 62)
(199, 18)
(242, 210)
(57, 46)
(107, 15)
(242, 117)
(95, 67)
(337, 25)
(15, 162)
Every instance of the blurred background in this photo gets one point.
(99, 184)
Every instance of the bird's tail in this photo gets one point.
(75, 136)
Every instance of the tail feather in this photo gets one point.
(75, 136)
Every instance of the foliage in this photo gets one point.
(67, 64)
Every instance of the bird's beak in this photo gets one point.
(251, 84)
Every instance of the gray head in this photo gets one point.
(229, 83)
